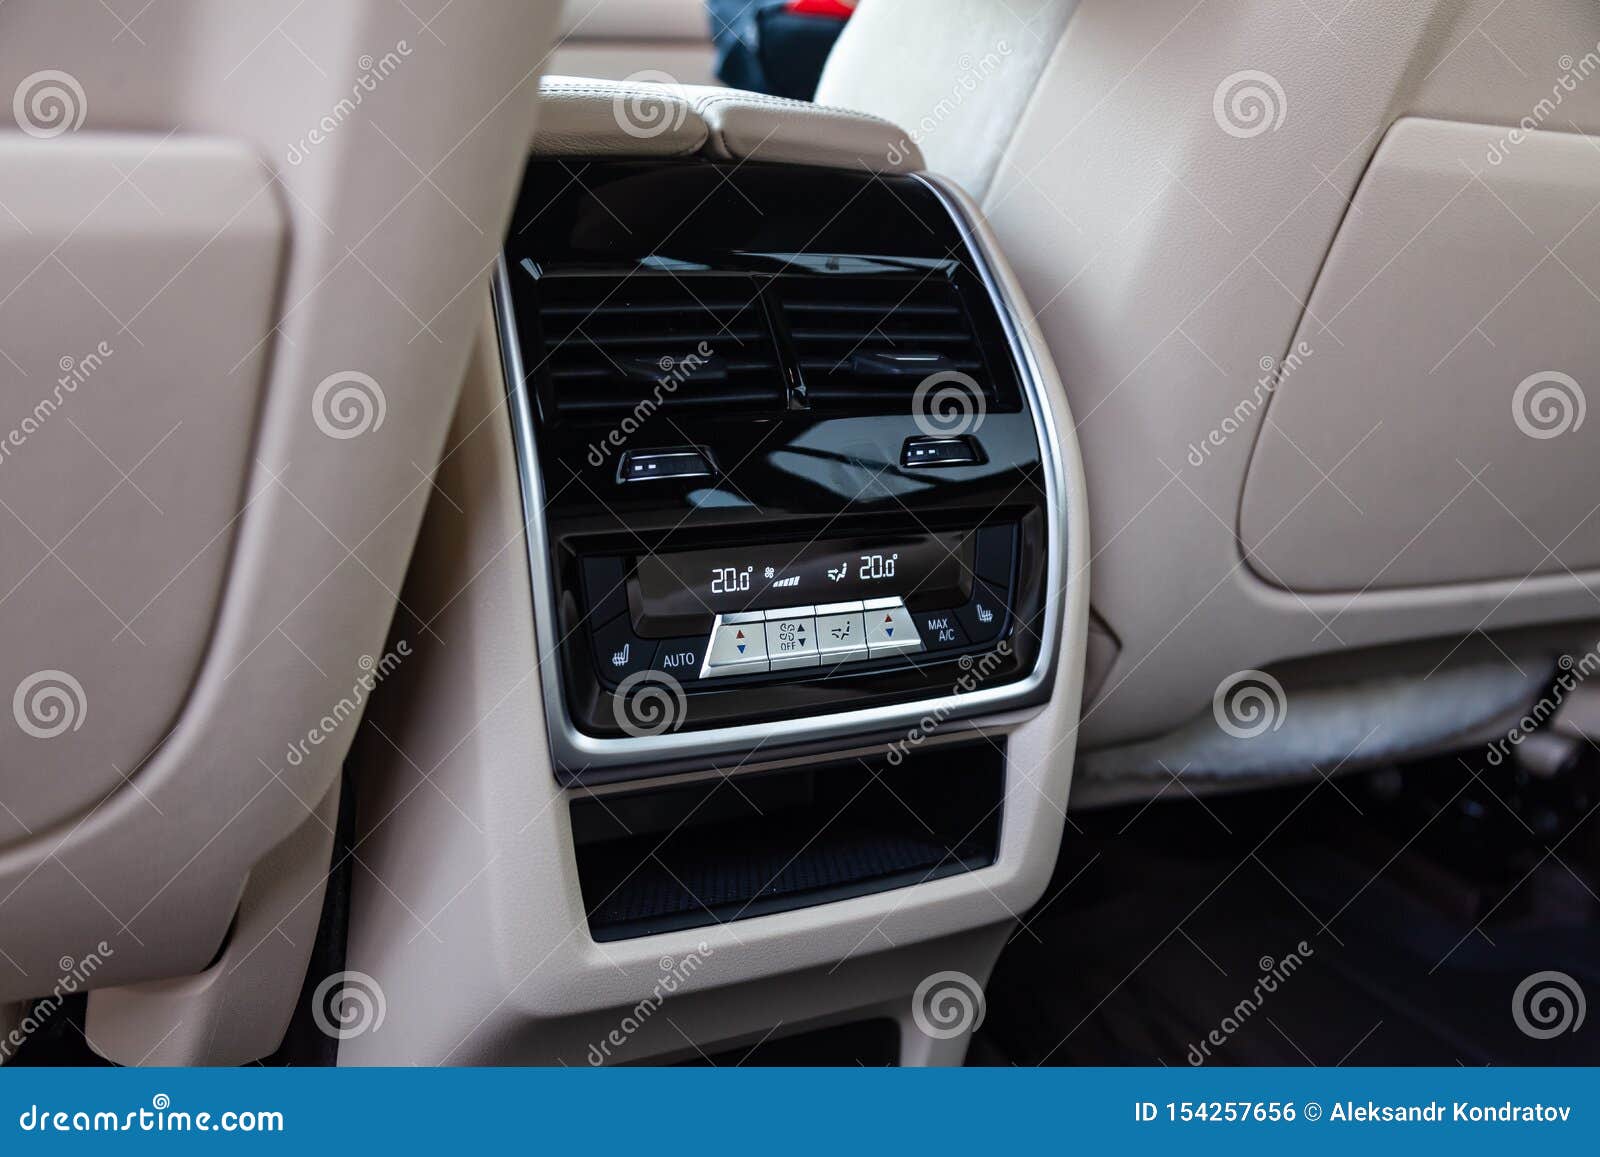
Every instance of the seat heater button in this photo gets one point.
(985, 616)
(618, 653)
(792, 642)
(940, 629)
(842, 638)
(891, 631)
(736, 649)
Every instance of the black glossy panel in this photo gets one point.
(600, 213)
(799, 454)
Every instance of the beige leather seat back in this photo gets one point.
(1318, 282)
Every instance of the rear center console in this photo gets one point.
(778, 709)
(789, 478)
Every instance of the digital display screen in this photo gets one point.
(678, 593)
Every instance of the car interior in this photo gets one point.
(791, 532)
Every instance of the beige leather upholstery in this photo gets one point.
(956, 73)
(619, 39)
(95, 596)
(1460, 409)
(586, 117)
(1168, 179)
(265, 211)
(583, 117)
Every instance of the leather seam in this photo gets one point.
(819, 111)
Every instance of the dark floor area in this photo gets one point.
(1386, 918)
(1424, 897)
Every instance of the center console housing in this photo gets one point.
(743, 396)
(816, 864)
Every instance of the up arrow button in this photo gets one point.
(890, 630)
(735, 649)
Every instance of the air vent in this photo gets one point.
(865, 343)
(689, 341)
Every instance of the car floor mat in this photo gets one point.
(1296, 927)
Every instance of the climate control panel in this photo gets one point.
(954, 593)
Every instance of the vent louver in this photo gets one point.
(691, 341)
(865, 343)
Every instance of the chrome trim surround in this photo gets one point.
(574, 752)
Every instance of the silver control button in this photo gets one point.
(838, 608)
(890, 630)
(736, 648)
(752, 642)
(792, 641)
(841, 636)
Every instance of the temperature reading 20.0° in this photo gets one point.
(877, 566)
(728, 580)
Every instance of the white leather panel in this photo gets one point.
(138, 277)
(1455, 309)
